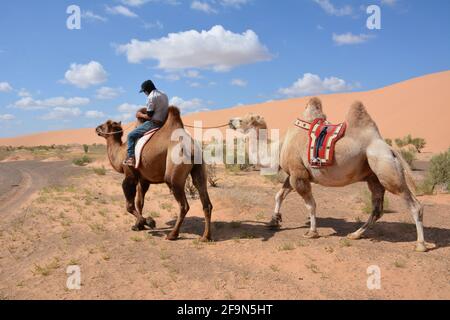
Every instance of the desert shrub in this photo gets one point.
(438, 174)
(85, 148)
(408, 156)
(84, 160)
(388, 141)
(399, 142)
(212, 175)
(190, 189)
(418, 143)
(100, 171)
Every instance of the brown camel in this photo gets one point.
(361, 155)
(157, 167)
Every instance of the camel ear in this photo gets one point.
(120, 123)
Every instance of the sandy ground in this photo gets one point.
(83, 222)
(418, 106)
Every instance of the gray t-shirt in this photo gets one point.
(159, 104)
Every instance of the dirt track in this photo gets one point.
(20, 179)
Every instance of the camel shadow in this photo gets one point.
(388, 231)
(223, 231)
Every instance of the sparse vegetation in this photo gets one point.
(286, 247)
(85, 148)
(100, 171)
(388, 141)
(212, 175)
(190, 189)
(438, 174)
(418, 143)
(408, 156)
(84, 160)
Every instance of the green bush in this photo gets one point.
(100, 171)
(418, 143)
(85, 148)
(388, 141)
(408, 156)
(84, 160)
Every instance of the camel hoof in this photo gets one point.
(274, 224)
(354, 236)
(420, 247)
(205, 239)
(171, 237)
(150, 223)
(311, 235)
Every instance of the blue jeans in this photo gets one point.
(137, 133)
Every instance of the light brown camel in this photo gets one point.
(361, 155)
(157, 167)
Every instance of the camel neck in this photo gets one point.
(116, 152)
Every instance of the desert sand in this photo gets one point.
(420, 106)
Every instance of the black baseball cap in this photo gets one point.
(147, 86)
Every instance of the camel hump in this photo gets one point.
(174, 116)
(358, 116)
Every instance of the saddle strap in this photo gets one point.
(303, 124)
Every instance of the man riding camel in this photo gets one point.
(156, 115)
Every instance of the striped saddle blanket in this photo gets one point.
(322, 139)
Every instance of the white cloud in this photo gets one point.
(28, 103)
(6, 117)
(329, 8)
(128, 107)
(194, 105)
(350, 38)
(389, 2)
(202, 6)
(234, 3)
(89, 15)
(217, 49)
(195, 85)
(154, 25)
(312, 84)
(5, 87)
(107, 93)
(94, 114)
(239, 83)
(121, 10)
(62, 113)
(23, 93)
(138, 3)
(85, 75)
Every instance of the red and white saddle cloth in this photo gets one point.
(322, 139)
(141, 144)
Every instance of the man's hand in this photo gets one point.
(142, 114)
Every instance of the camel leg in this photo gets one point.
(142, 189)
(378, 191)
(279, 199)
(180, 196)
(129, 189)
(393, 175)
(417, 214)
(200, 182)
(303, 187)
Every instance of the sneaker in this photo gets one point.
(130, 162)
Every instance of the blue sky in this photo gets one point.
(205, 54)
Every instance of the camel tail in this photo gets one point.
(406, 170)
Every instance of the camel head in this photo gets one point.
(110, 128)
(250, 121)
(314, 110)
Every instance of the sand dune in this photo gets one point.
(419, 106)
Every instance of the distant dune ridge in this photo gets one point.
(420, 106)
